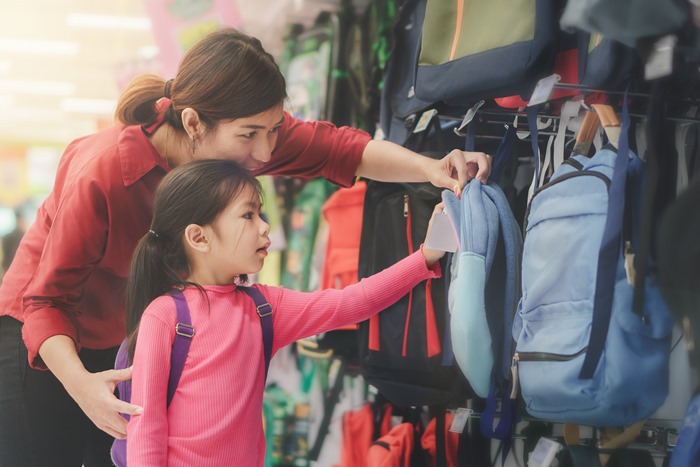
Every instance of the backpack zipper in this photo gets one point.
(409, 241)
(431, 334)
(546, 356)
(563, 178)
(574, 163)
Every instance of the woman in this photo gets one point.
(62, 300)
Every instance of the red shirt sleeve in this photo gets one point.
(74, 245)
(317, 149)
(76, 256)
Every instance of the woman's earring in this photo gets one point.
(194, 145)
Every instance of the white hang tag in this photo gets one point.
(569, 110)
(442, 235)
(460, 419)
(424, 120)
(468, 117)
(543, 89)
(660, 60)
(544, 452)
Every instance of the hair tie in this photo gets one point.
(166, 90)
(153, 233)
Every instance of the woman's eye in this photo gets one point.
(250, 135)
(275, 129)
(248, 215)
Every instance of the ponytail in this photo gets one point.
(137, 104)
(150, 276)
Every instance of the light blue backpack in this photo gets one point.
(482, 298)
(583, 354)
(485, 283)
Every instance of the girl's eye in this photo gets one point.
(249, 215)
(250, 135)
(275, 129)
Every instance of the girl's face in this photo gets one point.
(240, 238)
(249, 141)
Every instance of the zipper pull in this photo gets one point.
(629, 263)
(514, 376)
(405, 205)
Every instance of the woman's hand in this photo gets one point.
(459, 166)
(94, 393)
(432, 256)
(388, 162)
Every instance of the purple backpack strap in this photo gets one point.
(264, 310)
(181, 345)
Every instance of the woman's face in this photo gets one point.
(248, 141)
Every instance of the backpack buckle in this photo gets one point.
(185, 330)
(264, 310)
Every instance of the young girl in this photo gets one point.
(206, 236)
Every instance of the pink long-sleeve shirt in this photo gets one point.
(215, 417)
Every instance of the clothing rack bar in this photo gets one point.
(515, 113)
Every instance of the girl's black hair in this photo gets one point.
(193, 193)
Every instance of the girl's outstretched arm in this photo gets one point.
(301, 314)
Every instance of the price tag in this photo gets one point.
(442, 235)
(544, 452)
(543, 89)
(660, 61)
(460, 419)
(468, 117)
(424, 120)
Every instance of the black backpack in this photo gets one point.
(405, 350)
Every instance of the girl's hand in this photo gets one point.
(459, 167)
(432, 256)
(94, 393)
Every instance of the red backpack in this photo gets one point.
(395, 448)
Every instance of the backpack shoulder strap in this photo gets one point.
(264, 310)
(181, 345)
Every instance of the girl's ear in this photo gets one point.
(197, 237)
(192, 124)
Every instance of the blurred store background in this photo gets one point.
(63, 64)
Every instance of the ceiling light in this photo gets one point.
(148, 52)
(34, 114)
(44, 88)
(6, 101)
(84, 20)
(88, 106)
(31, 46)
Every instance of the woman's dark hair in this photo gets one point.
(193, 193)
(224, 76)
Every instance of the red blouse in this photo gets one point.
(69, 274)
